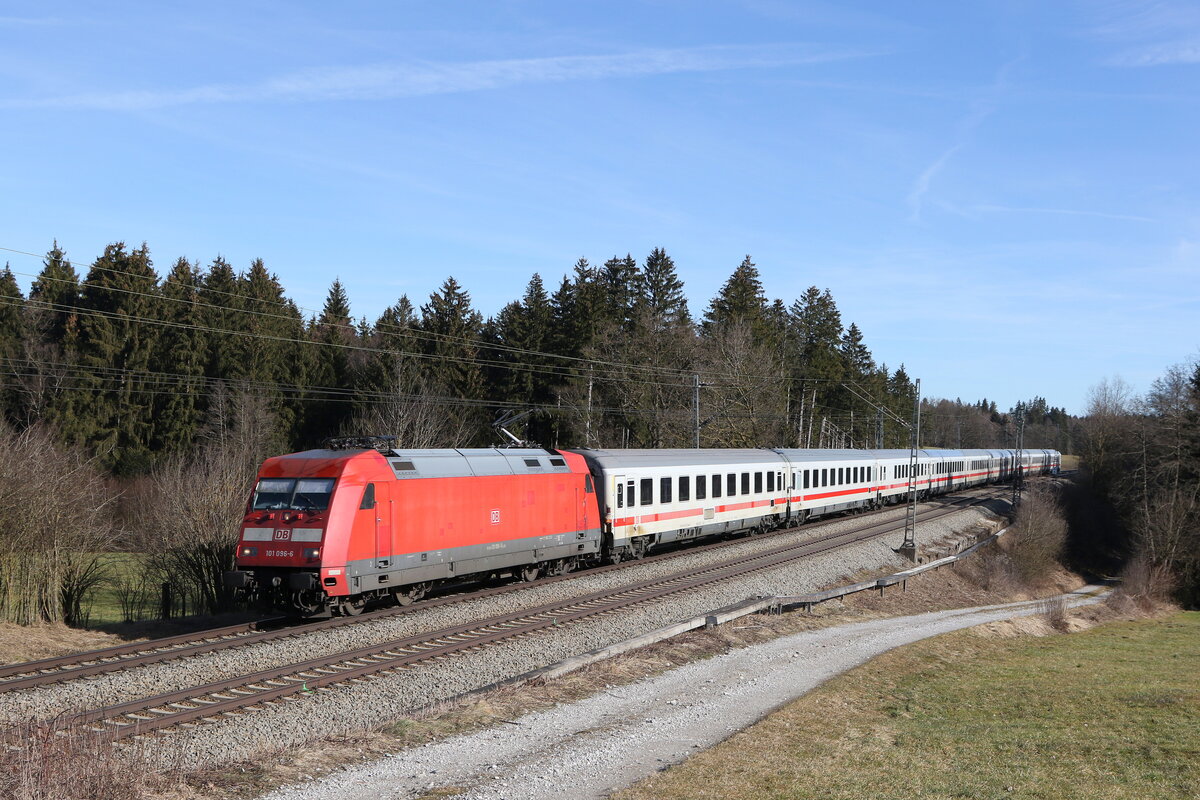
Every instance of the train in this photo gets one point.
(361, 522)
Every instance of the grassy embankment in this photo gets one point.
(1113, 712)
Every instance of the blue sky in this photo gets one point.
(1003, 195)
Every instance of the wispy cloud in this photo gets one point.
(1151, 32)
(981, 107)
(920, 187)
(1073, 212)
(385, 81)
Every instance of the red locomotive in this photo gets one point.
(339, 528)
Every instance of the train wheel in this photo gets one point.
(352, 607)
(530, 573)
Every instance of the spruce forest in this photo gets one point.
(134, 368)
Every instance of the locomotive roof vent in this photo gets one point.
(384, 444)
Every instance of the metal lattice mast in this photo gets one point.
(909, 547)
(1019, 465)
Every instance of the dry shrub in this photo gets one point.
(194, 502)
(1144, 584)
(55, 514)
(1039, 535)
(990, 569)
(53, 761)
(1055, 609)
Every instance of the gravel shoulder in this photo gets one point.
(592, 747)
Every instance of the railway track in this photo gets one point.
(33, 674)
(289, 683)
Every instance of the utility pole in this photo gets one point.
(1019, 466)
(696, 406)
(908, 548)
(587, 433)
(879, 428)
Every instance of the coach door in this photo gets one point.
(383, 524)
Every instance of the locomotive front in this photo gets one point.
(297, 527)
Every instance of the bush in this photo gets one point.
(1038, 536)
(52, 761)
(55, 512)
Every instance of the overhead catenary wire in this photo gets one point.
(406, 331)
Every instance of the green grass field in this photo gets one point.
(104, 606)
(1113, 712)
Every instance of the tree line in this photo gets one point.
(1142, 454)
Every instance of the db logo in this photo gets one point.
(495, 516)
(283, 535)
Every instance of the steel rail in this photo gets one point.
(267, 686)
(33, 674)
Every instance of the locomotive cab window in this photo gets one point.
(305, 494)
(368, 500)
(647, 491)
(588, 486)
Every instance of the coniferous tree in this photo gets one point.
(54, 297)
(741, 299)
(12, 337)
(220, 294)
(181, 350)
(855, 355)
(50, 332)
(452, 329)
(112, 415)
(620, 285)
(662, 292)
(329, 365)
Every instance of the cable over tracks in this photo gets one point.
(265, 688)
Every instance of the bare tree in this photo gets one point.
(55, 511)
(195, 502)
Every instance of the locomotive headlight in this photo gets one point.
(249, 551)
(312, 553)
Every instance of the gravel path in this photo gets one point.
(592, 747)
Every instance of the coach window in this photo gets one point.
(804, 479)
(620, 495)
(701, 487)
(730, 485)
(839, 481)
(685, 487)
(758, 482)
(745, 483)
(770, 481)
(664, 490)
(825, 477)
(716, 485)
(647, 491)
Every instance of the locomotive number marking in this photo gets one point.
(281, 553)
(495, 516)
(283, 535)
